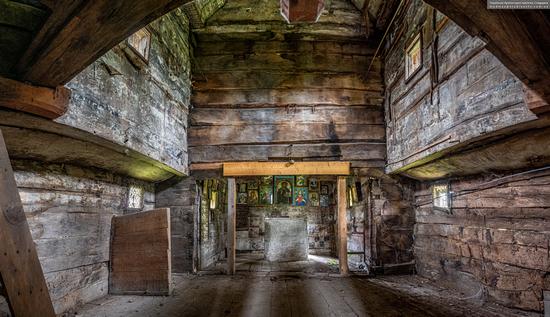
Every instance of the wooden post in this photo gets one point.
(231, 225)
(342, 226)
(20, 270)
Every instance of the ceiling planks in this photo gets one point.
(78, 32)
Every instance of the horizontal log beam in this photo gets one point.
(78, 32)
(285, 168)
(45, 102)
(513, 36)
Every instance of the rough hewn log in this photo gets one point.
(231, 225)
(78, 32)
(285, 133)
(342, 226)
(45, 102)
(20, 268)
(513, 36)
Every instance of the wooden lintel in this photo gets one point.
(285, 168)
(45, 102)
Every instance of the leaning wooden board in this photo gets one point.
(20, 268)
(141, 254)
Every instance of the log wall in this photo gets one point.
(264, 90)
(460, 92)
(69, 211)
(494, 241)
(182, 197)
(142, 106)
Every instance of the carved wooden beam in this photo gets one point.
(515, 37)
(78, 32)
(45, 102)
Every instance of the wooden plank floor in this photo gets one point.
(254, 262)
(288, 294)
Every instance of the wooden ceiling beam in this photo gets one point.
(78, 32)
(515, 37)
(45, 102)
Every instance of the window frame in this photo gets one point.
(142, 198)
(135, 51)
(417, 38)
(449, 196)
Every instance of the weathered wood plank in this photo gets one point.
(342, 223)
(285, 133)
(78, 32)
(287, 61)
(356, 151)
(288, 46)
(282, 97)
(20, 269)
(231, 225)
(243, 79)
(45, 102)
(141, 268)
(513, 37)
(285, 168)
(279, 115)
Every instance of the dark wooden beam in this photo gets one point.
(78, 32)
(518, 38)
(45, 102)
(20, 269)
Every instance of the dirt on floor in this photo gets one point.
(297, 294)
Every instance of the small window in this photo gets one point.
(140, 42)
(135, 197)
(441, 196)
(413, 57)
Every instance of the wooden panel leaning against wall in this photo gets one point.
(140, 254)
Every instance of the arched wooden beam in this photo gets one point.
(518, 38)
(78, 32)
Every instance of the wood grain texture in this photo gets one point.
(342, 224)
(45, 102)
(141, 253)
(231, 225)
(285, 168)
(78, 32)
(20, 268)
(496, 231)
(513, 37)
(472, 97)
(265, 91)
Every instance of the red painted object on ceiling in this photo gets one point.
(302, 10)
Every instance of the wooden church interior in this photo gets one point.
(274, 158)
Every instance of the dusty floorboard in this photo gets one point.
(294, 294)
